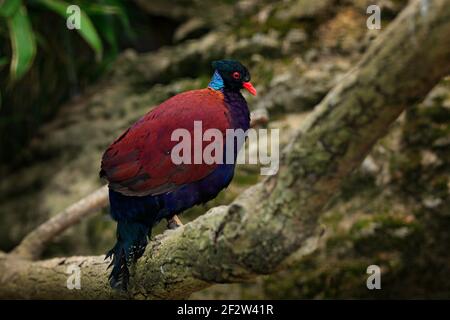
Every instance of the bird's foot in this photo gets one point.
(174, 222)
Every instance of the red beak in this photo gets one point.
(249, 87)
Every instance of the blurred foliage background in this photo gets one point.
(68, 93)
(42, 65)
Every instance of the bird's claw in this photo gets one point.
(174, 223)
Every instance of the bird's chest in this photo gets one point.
(237, 110)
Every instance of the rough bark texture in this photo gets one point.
(274, 219)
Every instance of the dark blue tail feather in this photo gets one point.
(136, 215)
(130, 246)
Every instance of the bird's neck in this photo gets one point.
(238, 109)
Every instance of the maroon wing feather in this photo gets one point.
(139, 161)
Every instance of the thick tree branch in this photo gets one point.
(274, 219)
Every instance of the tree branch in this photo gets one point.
(271, 221)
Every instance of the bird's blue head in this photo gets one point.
(232, 75)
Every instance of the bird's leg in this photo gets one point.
(174, 222)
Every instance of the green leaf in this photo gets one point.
(23, 43)
(102, 9)
(107, 29)
(123, 17)
(111, 7)
(9, 7)
(87, 30)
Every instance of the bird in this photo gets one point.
(146, 186)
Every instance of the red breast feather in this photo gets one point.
(139, 161)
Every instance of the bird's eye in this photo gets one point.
(236, 75)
